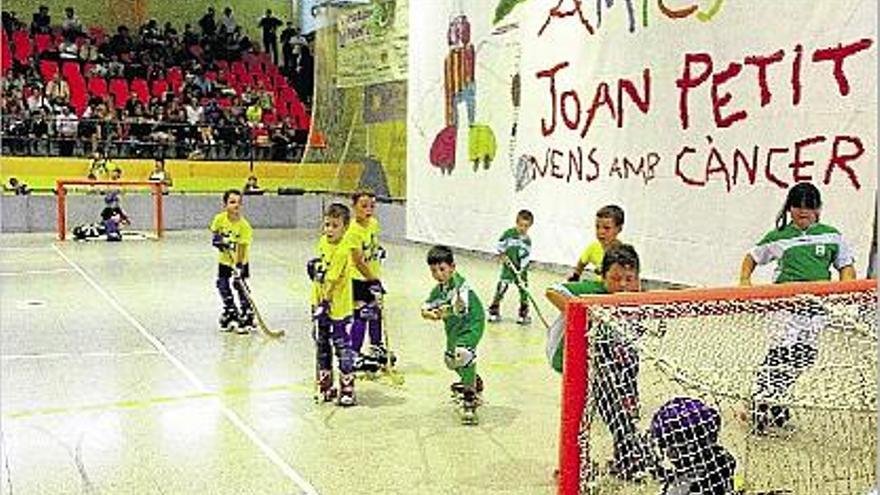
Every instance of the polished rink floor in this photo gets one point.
(115, 380)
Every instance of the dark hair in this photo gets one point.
(620, 254)
(613, 212)
(801, 195)
(440, 254)
(360, 194)
(230, 192)
(525, 215)
(338, 210)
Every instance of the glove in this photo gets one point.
(220, 242)
(574, 277)
(381, 254)
(321, 314)
(314, 270)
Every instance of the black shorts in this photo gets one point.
(361, 289)
(225, 271)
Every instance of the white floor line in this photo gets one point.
(25, 273)
(231, 415)
(24, 249)
(70, 355)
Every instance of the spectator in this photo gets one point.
(190, 38)
(228, 20)
(11, 23)
(270, 24)
(38, 100)
(58, 91)
(100, 165)
(207, 23)
(66, 124)
(254, 113)
(71, 24)
(88, 52)
(67, 50)
(289, 37)
(251, 187)
(17, 187)
(42, 23)
(159, 174)
(121, 42)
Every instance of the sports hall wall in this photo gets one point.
(694, 116)
(133, 13)
(360, 90)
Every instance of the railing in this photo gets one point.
(147, 138)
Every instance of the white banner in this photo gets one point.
(693, 116)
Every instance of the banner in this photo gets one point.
(694, 116)
(372, 43)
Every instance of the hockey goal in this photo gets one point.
(81, 201)
(662, 389)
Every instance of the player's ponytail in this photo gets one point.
(801, 195)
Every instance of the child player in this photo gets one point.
(362, 237)
(232, 236)
(615, 380)
(455, 302)
(609, 223)
(332, 306)
(514, 249)
(804, 250)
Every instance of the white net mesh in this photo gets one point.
(771, 395)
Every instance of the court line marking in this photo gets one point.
(25, 273)
(231, 415)
(24, 249)
(70, 355)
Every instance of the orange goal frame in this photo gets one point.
(575, 374)
(61, 192)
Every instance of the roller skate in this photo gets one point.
(494, 313)
(457, 391)
(766, 416)
(524, 318)
(326, 392)
(246, 323)
(228, 320)
(346, 390)
(469, 405)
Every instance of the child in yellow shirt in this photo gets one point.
(609, 223)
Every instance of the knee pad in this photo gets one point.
(460, 357)
(368, 312)
(502, 288)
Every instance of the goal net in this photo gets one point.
(84, 204)
(760, 390)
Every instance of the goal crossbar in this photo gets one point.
(61, 186)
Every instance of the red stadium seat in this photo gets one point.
(119, 89)
(141, 90)
(48, 69)
(70, 70)
(21, 42)
(42, 42)
(5, 53)
(98, 87)
(159, 87)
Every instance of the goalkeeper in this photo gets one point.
(232, 236)
(804, 250)
(614, 382)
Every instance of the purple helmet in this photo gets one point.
(684, 421)
(111, 198)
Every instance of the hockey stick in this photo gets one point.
(260, 322)
(390, 370)
(522, 286)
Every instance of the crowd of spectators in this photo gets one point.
(205, 92)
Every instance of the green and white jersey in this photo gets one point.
(555, 337)
(803, 255)
(463, 318)
(516, 246)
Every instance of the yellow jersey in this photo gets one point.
(238, 232)
(334, 281)
(365, 238)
